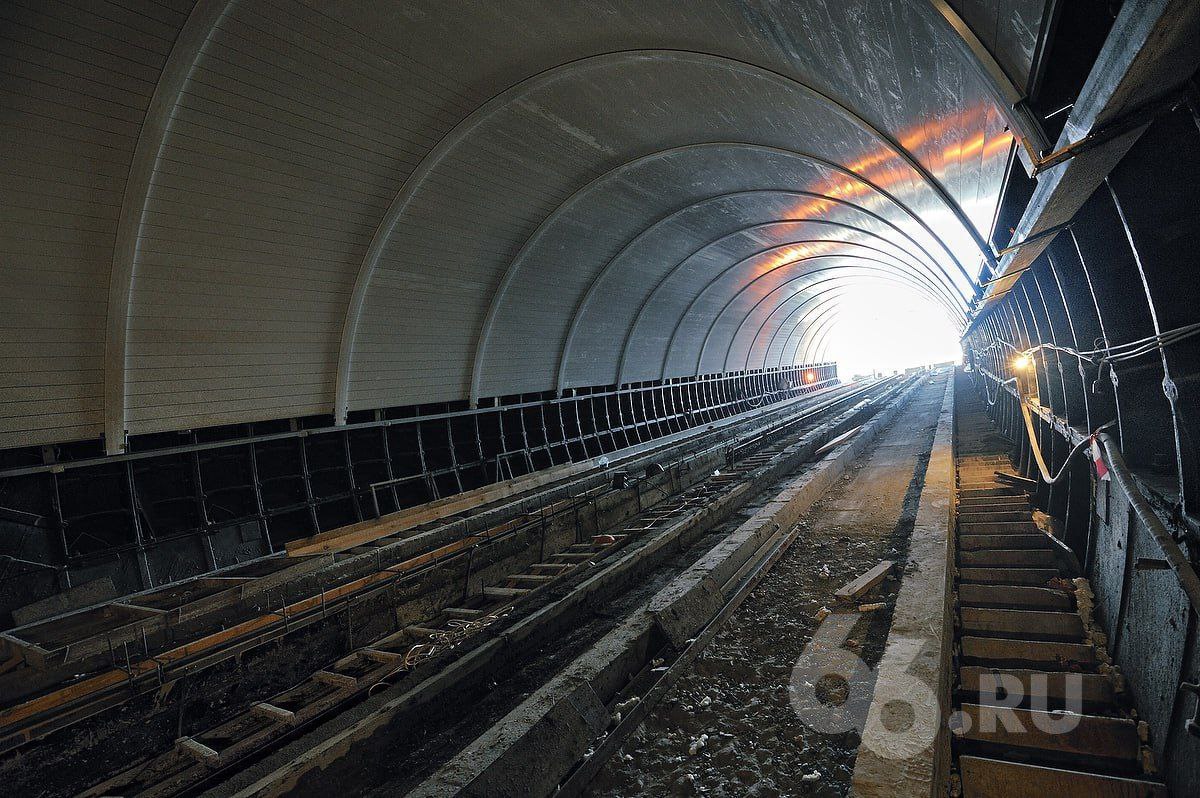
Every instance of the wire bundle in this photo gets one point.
(1103, 356)
(1127, 351)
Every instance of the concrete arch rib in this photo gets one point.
(461, 131)
(773, 273)
(196, 31)
(822, 298)
(822, 344)
(820, 328)
(620, 171)
(687, 311)
(813, 337)
(916, 281)
(882, 268)
(649, 300)
(800, 333)
(787, 318)
(585, 302)
(831, 294)
(840, 282)
(956, 318)
(822, 311)
(722, 273)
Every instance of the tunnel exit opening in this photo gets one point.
(881, 328)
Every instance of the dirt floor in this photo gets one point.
(728, 727)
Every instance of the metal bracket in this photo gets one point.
(1142, 115)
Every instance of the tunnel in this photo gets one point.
(600, 397)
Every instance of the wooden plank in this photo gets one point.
(865, 582)
(462, 612)
(1033, 577)
(505, 592)
(348, 537)
(197, 750)
(971, 515)
(383, 657)
(272, 712)
(994, 778)
(1015, 596)
(971, 493)
(1030, 624)
(1008, 558)
(1022, 652)
(1026, 527)
(982, 542)
(1043, 686)
(106, 680)
(95, 591)
(338, 680)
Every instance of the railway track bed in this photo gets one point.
(413, 649)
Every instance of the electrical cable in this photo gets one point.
(1123, 476)
(1037, 449)
(991, 400)
(1121, 352)
(1026, 414)
(1107, 356)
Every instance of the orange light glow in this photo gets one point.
(887, 170)
(880, 168)
(810, 376)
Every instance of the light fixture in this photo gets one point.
(1021, 362)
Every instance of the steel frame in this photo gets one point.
(266, 487)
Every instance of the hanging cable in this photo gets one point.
(1037, 449)
(1106, 356)
(1027, 415)
(1115, 353)
(1125, 479)
(991, 400)
(1120, 352)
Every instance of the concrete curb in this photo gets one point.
(716, 569)
(915, 667)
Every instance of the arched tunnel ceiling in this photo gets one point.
(232, 210)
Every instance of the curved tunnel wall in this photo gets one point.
(231, 211)
(1123, 272)
(259, 254)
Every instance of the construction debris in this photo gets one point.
(858, 587)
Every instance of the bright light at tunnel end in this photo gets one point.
(884, 328)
